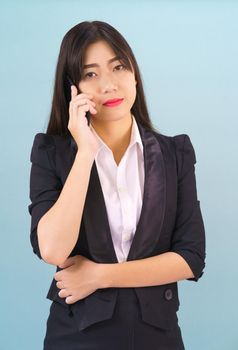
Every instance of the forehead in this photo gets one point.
(98, 51)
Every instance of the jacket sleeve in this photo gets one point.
(45, 186)
(189, 233)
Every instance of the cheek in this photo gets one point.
(131, 89)
(131, 81)
(81, 86)
(85, 88)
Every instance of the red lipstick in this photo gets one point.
(112, 103)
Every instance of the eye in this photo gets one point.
(88, 75)
(120, 66)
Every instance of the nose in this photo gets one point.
(108, 84)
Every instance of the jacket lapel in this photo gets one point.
(152, 213)
(96, 222)
(154, 199)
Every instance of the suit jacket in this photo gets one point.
(170, 220)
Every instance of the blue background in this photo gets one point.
(187, 53)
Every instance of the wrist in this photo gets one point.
(87, 156)
(105, 275)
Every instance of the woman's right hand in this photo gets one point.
(78, 125)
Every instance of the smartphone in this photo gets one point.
(70, 82)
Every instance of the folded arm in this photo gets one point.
(153, 271)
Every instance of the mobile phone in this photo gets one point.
(70, 82)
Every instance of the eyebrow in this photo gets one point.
(116, 58)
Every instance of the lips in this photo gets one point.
(113, 102)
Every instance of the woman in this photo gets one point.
(113, 204)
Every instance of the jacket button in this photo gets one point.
(168, 294)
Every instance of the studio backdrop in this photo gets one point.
(187, 53)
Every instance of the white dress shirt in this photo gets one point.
(123, 188)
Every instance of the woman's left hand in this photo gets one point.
(79, 278)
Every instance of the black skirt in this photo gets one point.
(124, 331)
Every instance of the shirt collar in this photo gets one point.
(135, 136)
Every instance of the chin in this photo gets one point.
(112, 115)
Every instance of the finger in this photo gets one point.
(63, 293)
(84, 94)
(85, 108)
(60, 285)
(75, 107)
(92, 110)
(83, 97)
(80, 102)
(70, 300)
(57, 276)
(74, 91)
(75, 110)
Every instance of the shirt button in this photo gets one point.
(126, 236)
(121, 189)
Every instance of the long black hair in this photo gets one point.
(70, 63)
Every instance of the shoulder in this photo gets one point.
(181, 143)
(43, 150)
(42, 140)
(180, 147)
(42, 143)
(45, 147)
(170, 141)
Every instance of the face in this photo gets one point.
(108, 79)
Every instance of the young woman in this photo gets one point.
(113, 204)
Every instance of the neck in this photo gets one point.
(116, 134)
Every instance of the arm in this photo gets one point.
(153, 271)
(58, 229)
(56, 212)
(80, 276)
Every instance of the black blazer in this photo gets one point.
(170, 220)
